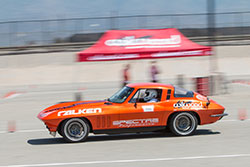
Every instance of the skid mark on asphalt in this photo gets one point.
(132, 160)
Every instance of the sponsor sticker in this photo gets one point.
(79, 111)
(136, 122)
(200, 97)
(181, 53)
(148, 108)
(188, 105)
(133, 41)
(113, 57)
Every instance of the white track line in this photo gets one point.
(25, 131)
(131, 160)
(232, 120)
(31, 130)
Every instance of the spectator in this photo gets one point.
(154, 71)
(126, 75)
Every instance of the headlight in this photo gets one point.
(44, 114)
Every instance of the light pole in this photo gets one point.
(211, 32)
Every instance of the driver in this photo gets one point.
(150, 96)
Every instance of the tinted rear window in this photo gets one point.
(180, 92)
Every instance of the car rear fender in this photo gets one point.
(193, 112)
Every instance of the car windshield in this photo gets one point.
(121, 95)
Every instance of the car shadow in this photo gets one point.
(130, 136)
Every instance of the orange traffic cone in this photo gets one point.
(9, 94)
(11, 126)
(242, 114)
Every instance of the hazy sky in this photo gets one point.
(49, 9)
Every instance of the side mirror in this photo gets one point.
(135, 104)
(208, 102)
(137, 99)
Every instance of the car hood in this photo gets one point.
(67, 105)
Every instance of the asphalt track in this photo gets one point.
(225, 143)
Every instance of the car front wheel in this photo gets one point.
(183, 124)
(75, 130)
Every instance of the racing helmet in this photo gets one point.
(150, 94)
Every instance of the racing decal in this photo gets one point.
(79, 111)
(148, 108)
(200, 97)
(89, 102)
(180, 53)
(187, 105)
(113, 57)
(133, 41)
(136, 122)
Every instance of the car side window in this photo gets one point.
(146, 96)
(168, 94)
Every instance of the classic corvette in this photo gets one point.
(138, 107)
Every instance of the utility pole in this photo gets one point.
(211, 33)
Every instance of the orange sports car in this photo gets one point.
(137, 107)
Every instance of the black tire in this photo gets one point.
(75, 130)
(183, 124)
(60, 131)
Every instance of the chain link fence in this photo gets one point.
(44, 32)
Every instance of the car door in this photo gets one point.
(138, 113)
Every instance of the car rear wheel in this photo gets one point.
(75, 130)
(183, 124)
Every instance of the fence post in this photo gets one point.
(142, 21)
(43, 32)
(113, 21)
(11, 32)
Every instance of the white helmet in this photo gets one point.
(150, 94)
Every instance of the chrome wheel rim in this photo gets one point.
(184, 123)
(76, 130)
